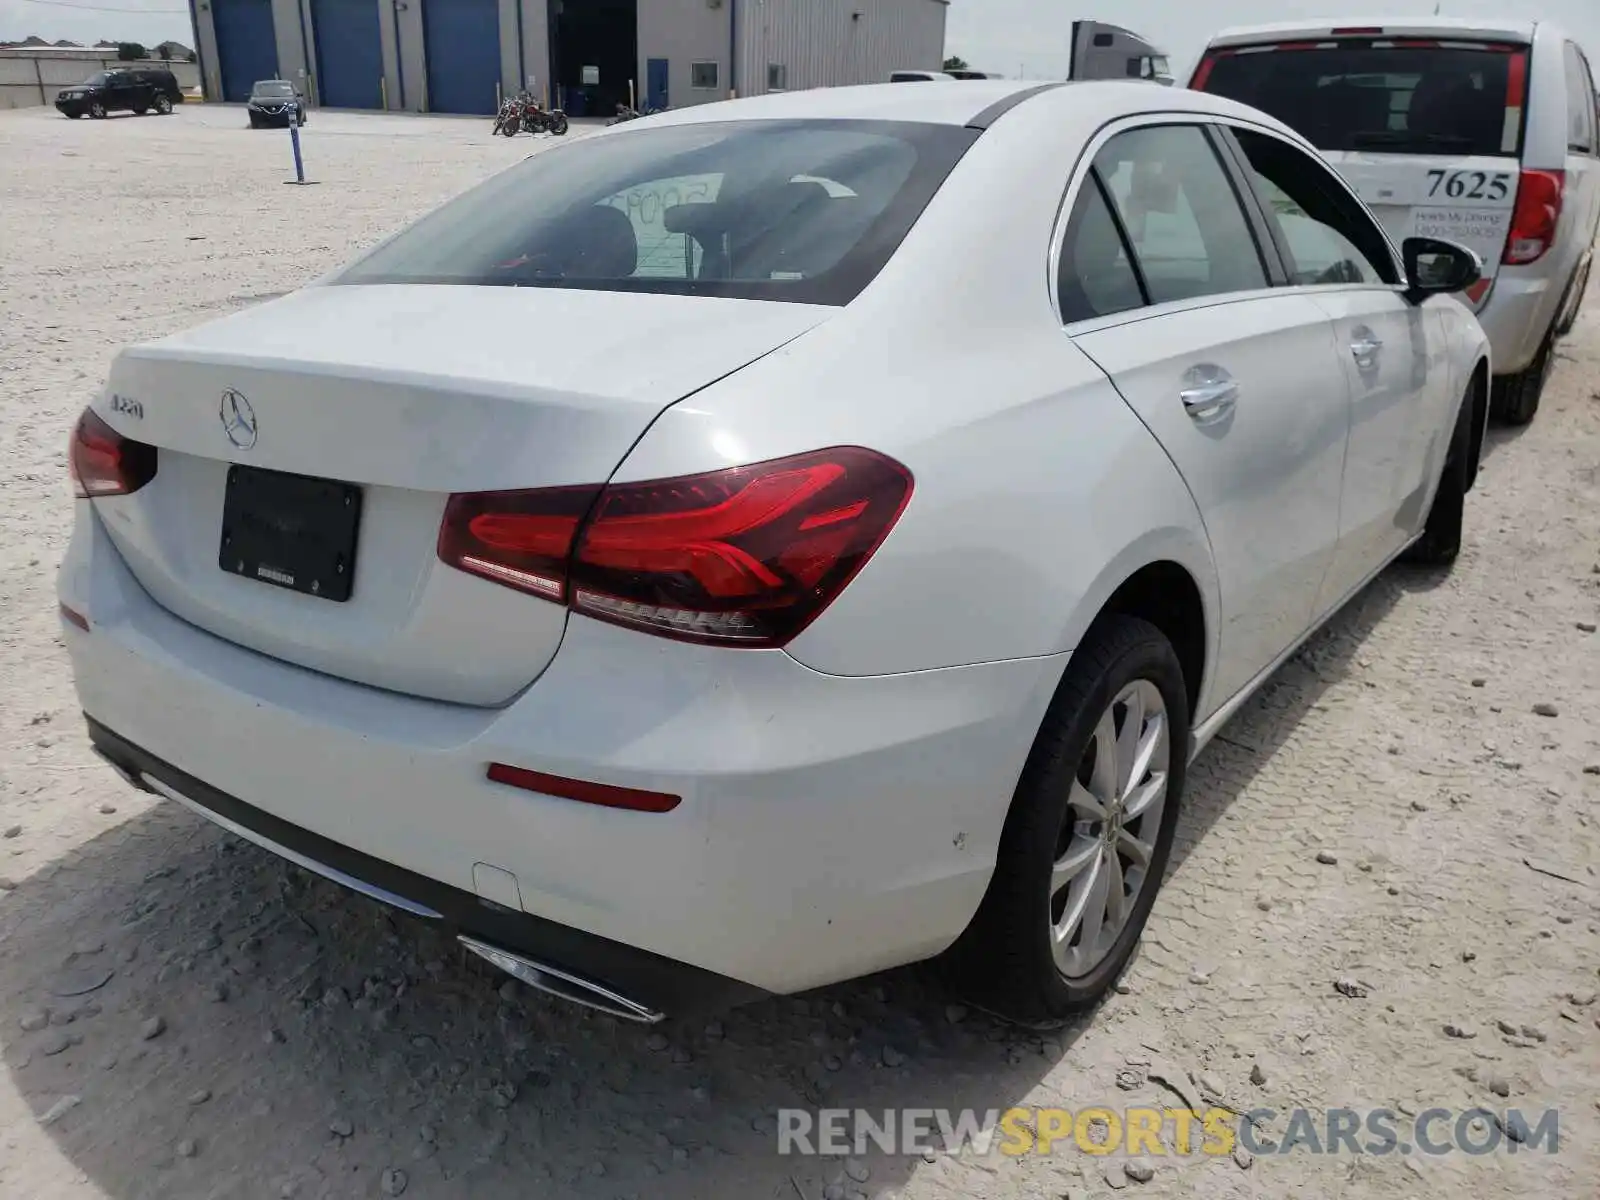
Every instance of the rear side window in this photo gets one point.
(1384, 97)
(1190, 237)
(1580, 104)
(1097, 278)
(803, 211)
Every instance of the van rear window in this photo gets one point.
(1383, 97)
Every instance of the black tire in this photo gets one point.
(1440, 543)
(509, 129)
(558, 124)
(254, 123)
(164, 106)
(1004, 961)
(97, 111)
(1515, 398)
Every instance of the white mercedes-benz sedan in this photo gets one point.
(778, 540)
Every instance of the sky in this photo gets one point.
(1030, 36)
(1012, 37)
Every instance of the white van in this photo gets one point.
(1482, 132)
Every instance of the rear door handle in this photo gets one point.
(1365, 348)
(1209, 393)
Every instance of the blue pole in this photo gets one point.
(294, 140)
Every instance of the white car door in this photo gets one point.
(1392, 352)
(1164, 284)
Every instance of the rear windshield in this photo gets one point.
(1388, 99)
(803, 211)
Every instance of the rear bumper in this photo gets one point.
(830, 827)
(647, 984)
(1520, 311)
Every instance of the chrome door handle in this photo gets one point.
(1208, 401)
(1366, 349)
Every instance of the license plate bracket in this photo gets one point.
(291, 531)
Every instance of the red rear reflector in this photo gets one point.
(1535, 218)
(746, 556)
(73, 617)
(104, 463)
(1479, 290)
(602, 794)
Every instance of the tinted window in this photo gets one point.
(273, 89)
(1400, 100)
(1326, 234)
(806, 211)
(1096, 277)
(100, 80)
(1183, 219)
(1580, 103)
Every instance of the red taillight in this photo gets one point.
(1203, 72)
(1534, 221)
(745, 556)
(104, 463)
(520, 539)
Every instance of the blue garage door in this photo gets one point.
(349, 54)
(246, 45)
(463, 44)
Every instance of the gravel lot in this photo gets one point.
(1391, 812)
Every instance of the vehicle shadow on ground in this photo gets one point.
(304, 1040)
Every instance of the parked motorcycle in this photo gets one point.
(538, 119)
(509, 119)
(624, 113)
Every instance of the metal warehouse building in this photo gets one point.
(457, 56)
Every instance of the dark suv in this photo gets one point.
(134, 89)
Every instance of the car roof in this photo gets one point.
(1392, 26)
(955, 102)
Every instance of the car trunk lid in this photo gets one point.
(338, 420)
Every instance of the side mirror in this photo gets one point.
(1435, 267)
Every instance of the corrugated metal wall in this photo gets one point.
(830, 43)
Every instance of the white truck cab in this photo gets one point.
(1482, 132)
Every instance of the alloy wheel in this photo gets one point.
(1108, 840)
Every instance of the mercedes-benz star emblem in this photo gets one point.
(238, 419)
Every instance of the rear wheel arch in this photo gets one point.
(1477, 415)
(1166, 594)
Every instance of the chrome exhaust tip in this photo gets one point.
(562, 984)
(132, 778)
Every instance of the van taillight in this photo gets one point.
(745, 556)
(1535, 218)
(104, 463)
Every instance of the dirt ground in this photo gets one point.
(182, 1015)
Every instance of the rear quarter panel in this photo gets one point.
(1038, 491)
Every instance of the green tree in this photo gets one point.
(130, 51)
(955, 63)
